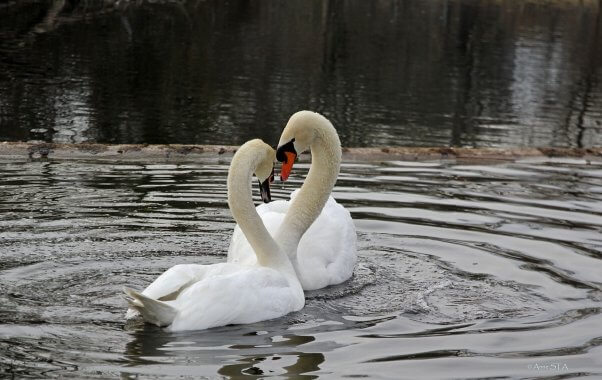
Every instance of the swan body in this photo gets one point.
(195, 297)
(315, 231)
(326, 254)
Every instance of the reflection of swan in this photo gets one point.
(257, 365)
(326, 253)
(212, 353)
(190, 297)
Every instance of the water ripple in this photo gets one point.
(469, 265)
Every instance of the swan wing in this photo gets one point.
(234, 294)
(153, 311)
(327, 252)
(170, 284)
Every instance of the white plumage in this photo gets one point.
(316, 232)
(205, 296)
(326, 254)
(195, 297)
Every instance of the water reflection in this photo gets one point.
(232, 351)
(397, 72)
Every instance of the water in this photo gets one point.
(465, 271)
(401, 73)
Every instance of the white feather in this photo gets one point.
(195, 297)
(327, 252)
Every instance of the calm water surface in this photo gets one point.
(391, 72)
(465, 271)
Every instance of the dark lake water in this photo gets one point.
(404, 73)
(464, 271)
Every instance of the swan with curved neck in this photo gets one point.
(194, 297)
(244, 163)
(314, 230)
(307, 130)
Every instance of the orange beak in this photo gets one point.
(287, 166)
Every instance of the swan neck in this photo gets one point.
(308, 204)
(243, 210)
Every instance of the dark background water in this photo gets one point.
(412, 73)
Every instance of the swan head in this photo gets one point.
(261, 157)
(265, 176)
(264, 169)
(297, 137)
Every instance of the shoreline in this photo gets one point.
(183, 153)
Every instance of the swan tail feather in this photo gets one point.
(153, 311)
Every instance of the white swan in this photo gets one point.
(195, 297)
(326, 254)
